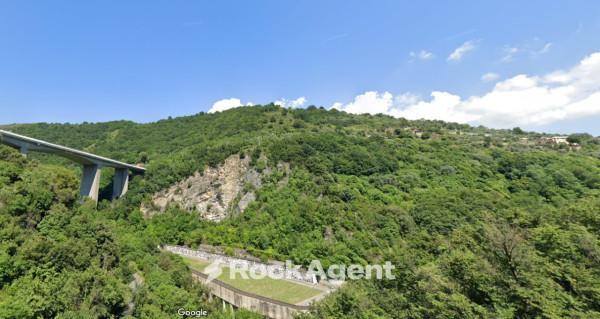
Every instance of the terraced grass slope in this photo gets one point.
(282, 290)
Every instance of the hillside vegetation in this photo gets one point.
(480, 223)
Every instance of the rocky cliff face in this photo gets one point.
(215, 193)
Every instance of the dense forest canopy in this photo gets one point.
(480, 223)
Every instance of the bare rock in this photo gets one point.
(215, 193)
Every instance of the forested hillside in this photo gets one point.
(480, 223)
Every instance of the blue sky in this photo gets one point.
(74, 61)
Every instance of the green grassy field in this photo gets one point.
(282, 290)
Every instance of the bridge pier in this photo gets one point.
(90, 182)
(24, 150)
(120, 182)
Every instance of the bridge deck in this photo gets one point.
(20, 141)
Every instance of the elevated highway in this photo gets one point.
(92, 164)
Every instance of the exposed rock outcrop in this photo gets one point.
(215, 193)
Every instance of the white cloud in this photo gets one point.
(422, 55)
(459, 52)
(489, 77)
(533, 47)
(374, 102)
(370, 102)
(509, 53)
(337, 37)
(299, 102)
(545, 48)
(523, 100)
(337, 105)
(226, 104)
(443, 105)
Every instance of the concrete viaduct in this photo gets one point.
(92, 164)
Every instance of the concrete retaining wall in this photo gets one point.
(265, 306)
(288, 273)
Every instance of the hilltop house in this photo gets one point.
(554, 140)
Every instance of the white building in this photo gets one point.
(554, 140)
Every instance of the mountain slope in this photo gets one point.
(480, 223)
